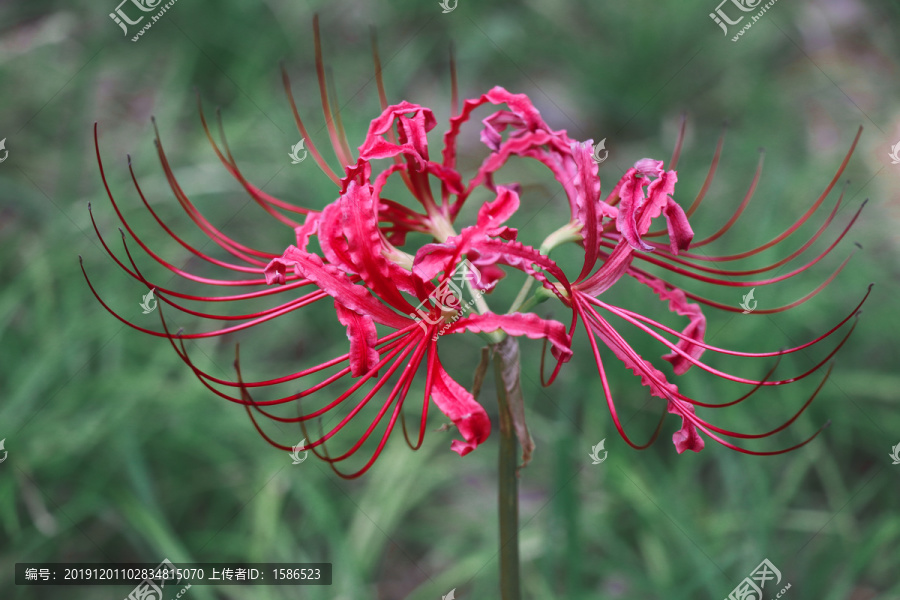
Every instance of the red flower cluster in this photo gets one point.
(396, 305)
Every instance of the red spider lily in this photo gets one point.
(360, 268)
(395, 306)
(613, 232)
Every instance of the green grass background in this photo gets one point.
(116, 453)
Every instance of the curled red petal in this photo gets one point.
(412, 140)
(276, 270)
(687, 437)
(680, 232)
(493, 214)
(363, 339)
(649, 167)
(365, 245)
(631, 191)
(336, 284)
(460, 407)
(307, 230)
(587, 204)
(658, 196)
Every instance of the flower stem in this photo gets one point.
(509, 392)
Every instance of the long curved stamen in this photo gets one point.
(724, 282)
(393, 347)
(758, 311)
(703, 426)
(185, 245)
(399, 403)
(679, 260)
(629, 315)
(740, 209)
(710, 175)
(717, 372)
(608, 393)
(409, 371)
(679, 399)
(162, 297)
(803, 218)
(136, 274)
(144, 246)
(336, 110)
(676, 153)
(310, 146)
(783, 426)
(343, 159)
(170, 266)
(255, 192)
(738, 400)
(429, 381)
(306, 300)
(196, 216)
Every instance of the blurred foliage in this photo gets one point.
(116, 453)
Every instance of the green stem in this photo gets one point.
(519, 303)
(509, 391)
(570, 232)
